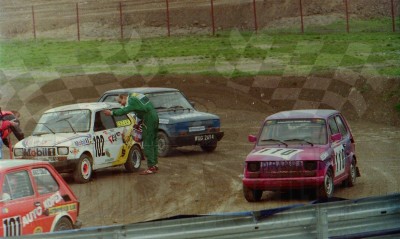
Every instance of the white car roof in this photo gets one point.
(90, 106)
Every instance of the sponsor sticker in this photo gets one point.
(283, 153)
(63, 208)
(123, 123)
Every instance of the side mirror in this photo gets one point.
(252, 138)
(336, 137)
(5, 197)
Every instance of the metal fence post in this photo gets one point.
(168, 26)
(255, 16)
(121, 21)
(301, 16)
(322, 223)
(33, 22)
(212, 17)
(77, 22)
(346, 3)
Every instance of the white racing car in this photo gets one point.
(80, 138)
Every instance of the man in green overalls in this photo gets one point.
(144, 110)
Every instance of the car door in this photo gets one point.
(338, 145)
(107, 140)
(346, 141)
(19, 215)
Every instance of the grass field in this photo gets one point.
(229, 54)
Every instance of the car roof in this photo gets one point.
(303, 114)
(89, 106)
(11, 163)
(142, 90)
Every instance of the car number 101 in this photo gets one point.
(204, 137)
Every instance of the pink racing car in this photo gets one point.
(301, 149)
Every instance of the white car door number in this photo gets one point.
(339, 159)
(99, 145)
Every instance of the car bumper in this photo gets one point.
(195, 139)
(275, 184)
(65, 166)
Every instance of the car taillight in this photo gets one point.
(253, 166)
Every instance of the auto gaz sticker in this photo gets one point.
(279, 152)
(64, 208)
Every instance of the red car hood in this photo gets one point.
(284, 154)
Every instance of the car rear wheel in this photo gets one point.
(351, 180)
(83, 170)
(63, 224)
(164, 147)
(326, 190)
(134, 159)
(209, 146)
(252, 195)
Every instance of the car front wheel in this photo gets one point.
(252, 195)
(326, 190)
(134, 159)
(83, 170)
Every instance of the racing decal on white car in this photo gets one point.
(99, 145)
(279, 152)
(12, 226)
(339, 159)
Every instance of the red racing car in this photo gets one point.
(35, 199)
(301, 149)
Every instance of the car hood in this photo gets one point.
(180, 115)
(285, 154)
(49, 140)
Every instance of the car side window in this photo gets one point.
(340, 124)
(18, 185)
(110, 98)
(103, 122)
(333, 126)
(45, 183)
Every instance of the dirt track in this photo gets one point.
(193, 182)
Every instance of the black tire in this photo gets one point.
(209, 146)
(326, 190)
(164, 147)
(63, 224)
(351, 180)
(252, 195)
(83, 170)
(134, 160)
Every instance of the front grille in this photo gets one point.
(287, 169)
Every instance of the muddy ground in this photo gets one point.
(193, 182)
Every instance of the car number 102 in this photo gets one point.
(99, 145)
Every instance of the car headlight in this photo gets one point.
(18, 152)
(62, 150)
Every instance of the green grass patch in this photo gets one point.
(231, 54)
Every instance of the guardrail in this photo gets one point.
(367, 217)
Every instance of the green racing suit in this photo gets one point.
(144, 110)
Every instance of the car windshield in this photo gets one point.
(311, 131)
(70, 121)
(169, 100)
